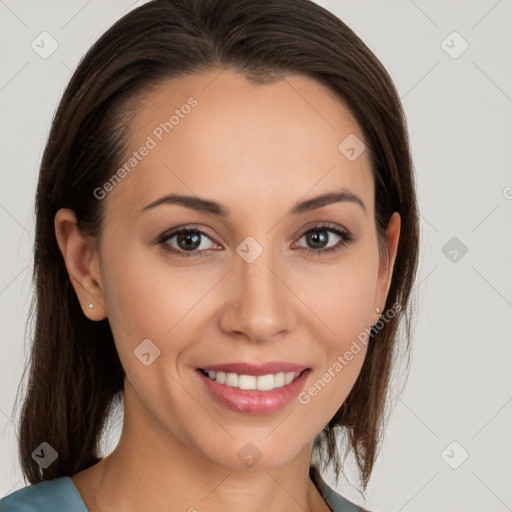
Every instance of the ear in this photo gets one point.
(387, 263)
(82, 263)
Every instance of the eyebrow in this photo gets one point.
(214, 208)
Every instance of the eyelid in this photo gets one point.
(186, 227)
(346, 237)
(344, 234)
(171, 233)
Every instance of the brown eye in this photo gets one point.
(318, 237)
(189, 242)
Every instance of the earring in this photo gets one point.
(90, 306)
(378, 310)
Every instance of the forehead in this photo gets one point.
(217, 135)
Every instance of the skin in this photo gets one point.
(258, 149)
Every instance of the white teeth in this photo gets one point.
(232, 380)
(279, 380)
(288, 377)
(247, 382)
(261, 382)
(266, 382)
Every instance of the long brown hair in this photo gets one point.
(75, 373)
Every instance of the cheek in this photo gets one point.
(342, 296)
(148, 296)
(343, 304)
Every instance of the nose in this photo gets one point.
(260, 304)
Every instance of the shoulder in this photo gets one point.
(51, 495)
(336, 501)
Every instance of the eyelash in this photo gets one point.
(346, 238)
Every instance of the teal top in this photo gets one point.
(61, 495)
(57, 495)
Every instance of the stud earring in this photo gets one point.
(378, 310)
(90, 306)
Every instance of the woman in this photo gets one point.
(227, 239)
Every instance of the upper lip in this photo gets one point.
(244, 368)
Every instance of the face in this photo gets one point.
(265, 282)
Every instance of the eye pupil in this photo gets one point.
(192, 241)
(318, 237)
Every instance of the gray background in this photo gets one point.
(459, 113)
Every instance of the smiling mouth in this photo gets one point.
(252, 382)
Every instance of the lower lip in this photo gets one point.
(252, 401)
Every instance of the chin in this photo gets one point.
(254, 453)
